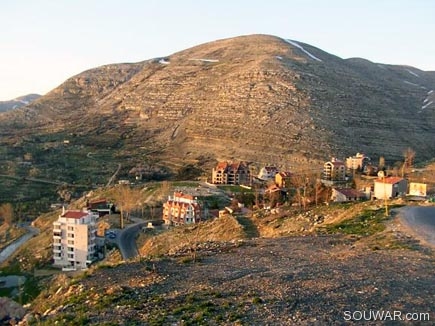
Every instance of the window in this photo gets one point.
(70, 242)
(70, 235)
(70, 228)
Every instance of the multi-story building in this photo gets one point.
(357, 162)
(181, 209)
(334, 170)
(74, 239)
(231, 173)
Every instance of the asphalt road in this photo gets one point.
(420, 221)
(127, 239)
(9, 250)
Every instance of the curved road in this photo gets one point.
(127, 239)
(420, 220)
(10, 249)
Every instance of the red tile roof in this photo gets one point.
(181, 195)
(74, 214)
(350, 192)
(98, 201)
(221, 166)
(389, 180)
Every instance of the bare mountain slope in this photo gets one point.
(258, 97)
(18, 102)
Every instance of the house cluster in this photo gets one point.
(337, 174)
(238, 173)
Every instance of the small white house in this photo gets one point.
(267, 173)
(390, 187)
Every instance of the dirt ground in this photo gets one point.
(301, 280)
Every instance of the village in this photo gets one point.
(78, 236)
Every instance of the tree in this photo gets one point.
(301, 183)
(409, 156)
(381, 163)
(126, 199)
(408, 162)
(7, 213)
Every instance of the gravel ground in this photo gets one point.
(311, 280)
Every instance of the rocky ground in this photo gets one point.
(301, 280)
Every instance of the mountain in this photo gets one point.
(18, 102)
(258, 98)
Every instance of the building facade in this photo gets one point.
(267, 173)
(181, 209)
(231, 173)
(334, 170)
(283, 179)
(74, 239)
(341, 195)
(389, 187)
(357, 162)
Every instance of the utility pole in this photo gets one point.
(385, 196)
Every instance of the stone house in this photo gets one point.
(181, 209)
(357, 162)
(341, 195)
(231, 173)
(334, 170)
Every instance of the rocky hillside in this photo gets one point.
(18, 102)
(258, 98)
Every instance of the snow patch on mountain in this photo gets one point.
(426, 105)
(409, 83)
(302, 49)
(205, 60)
(412, 73)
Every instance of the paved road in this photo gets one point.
(127, 239)
(10, 249)
(421, 221)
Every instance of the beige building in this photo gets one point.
(417, 189)
(181, 209)
(231, 173)
(357, 162)
(74, 239)
(334, 170)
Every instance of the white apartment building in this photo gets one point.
(74, 237)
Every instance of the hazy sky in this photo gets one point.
(44, 42)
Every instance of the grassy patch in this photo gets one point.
(367, 223)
